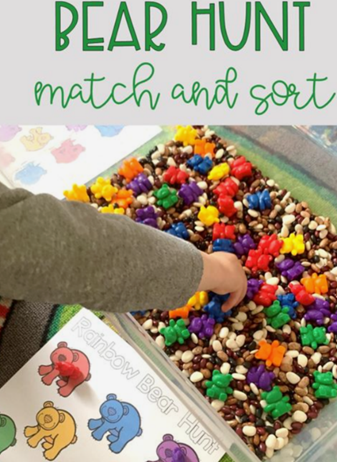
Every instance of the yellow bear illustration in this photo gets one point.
(36, 140)
(55, 427)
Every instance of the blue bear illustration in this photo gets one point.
(121, 420)
(30, 174)
(109, 130)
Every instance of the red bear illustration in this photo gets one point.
(67, 152)
(71, 366)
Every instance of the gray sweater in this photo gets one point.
(66, 252)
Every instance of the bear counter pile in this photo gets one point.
(269, 366)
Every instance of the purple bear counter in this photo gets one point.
(269, 366)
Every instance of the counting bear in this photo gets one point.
(55, 427)
(7, 433)
(171, 451)
(121, 420)
(71, 366)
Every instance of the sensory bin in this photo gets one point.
(269, 366)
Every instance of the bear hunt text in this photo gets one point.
(256, 21)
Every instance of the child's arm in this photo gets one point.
(65, 252)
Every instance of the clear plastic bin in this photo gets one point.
(308, 169)
(317, 441)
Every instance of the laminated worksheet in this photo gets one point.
(49, 159)
(88, 395)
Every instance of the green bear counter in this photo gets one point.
(277, 316)
(7, 433)
(276, 404)
(324, 386)
(175, 332)
(218, 387)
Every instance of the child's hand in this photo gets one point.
(223, 274)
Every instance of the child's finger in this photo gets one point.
(243, 294)
(233, 300)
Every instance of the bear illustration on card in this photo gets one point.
(36, 140)
(71, 367)
(30, 174)
(7, 433)
(172, 451)
(120, 421)
(55, 430)
(8, 132)
(68, 152)
(109, 130)
(76, 128)
(5, 158)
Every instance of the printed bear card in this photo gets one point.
(50, 159)
(88, 395)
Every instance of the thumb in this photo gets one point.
(230, 302)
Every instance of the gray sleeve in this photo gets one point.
(66, 252)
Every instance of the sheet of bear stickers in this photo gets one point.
(50, 159)
(87, 395)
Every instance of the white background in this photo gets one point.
(27, 49)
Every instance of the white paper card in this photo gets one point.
(112, 407)
(50, 159)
